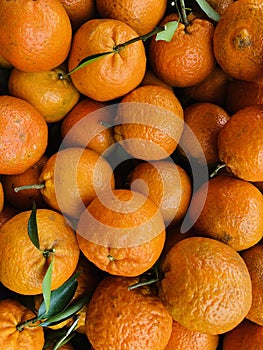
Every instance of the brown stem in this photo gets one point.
(183, 13)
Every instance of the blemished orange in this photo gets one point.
(113, 75)
(85, 126)
(206, 285)
(149, 122)
(35, 35)
(204, 120)
(13, 313)
(241, 94)
(220, 5)
(232, 213)
(240, 143)
(72, 177)
(23, 200)
(246, 336)
(122, 232)
(167, 185)
(254, 259)
(151, 79)
(2, 197)
(130, 319)
(188, 58)
(79, 11)
(142, 16)
(238, 40)
(23, 135)
(23, 266)
(7, 213)
(52, 92)
(185, 339)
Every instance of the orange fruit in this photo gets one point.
(113, 75)
(122, 232)
(240, 143)
(7, 213)
(12, 315)
(188, 58)
(1, 197)
(242, 94)
(83, 126)
(142, 16)
(167, 185)
(204, 120)
(72, 177)
(23, 135)
(151, 79)
(183, 339)
(246, 336)
(149, 122)
(238, 40)
(23, 200)
(23, 266)
(206, 285)
(35, 35)
(220, 5)
(130, 319)
(254, 259)
(51, 92)
(79, 11)
(232, 213)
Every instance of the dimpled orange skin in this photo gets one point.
(233, 212)
(240, 143)
(23, 135)
(13, 314)
(124, 239)
(23, 266)
(206, 285)
(79, 11)
(113, 75)
(129, 319)
(188, 58)
(35, 35)
(238, 40)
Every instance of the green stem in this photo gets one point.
(22, 325)
(144, 283)
(29, 187)
(183, 13)
(218, 167)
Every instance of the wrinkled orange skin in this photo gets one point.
(129, 319)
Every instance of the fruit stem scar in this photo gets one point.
(29, 187)
(47, 252)
(111, 258)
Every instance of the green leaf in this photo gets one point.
(87, 60)
(208, 10)
(46, 285)
(59, 299)
(169, 31)
(67, 313)
(32, 226)
(68, 336)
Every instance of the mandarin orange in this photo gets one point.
(79, 11)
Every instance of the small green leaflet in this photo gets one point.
(68, 336)
(32, 227)
(169, 31)
(87, 60)
(208, 10)
(46, 285)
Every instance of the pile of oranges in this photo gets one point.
(131, 164)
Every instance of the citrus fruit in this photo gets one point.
(220, 5)
(72, 177)
(238, 40)
(240, 143)
(149, 122)
(151, 79)
(35, 35)
(79, 11)
(232, 213)
(23, 266)
(130, 319)
(206, 285)
(51, 92)
(122, 232)
(113, 75)
(23, 135)
(1, 197)
(188, 58)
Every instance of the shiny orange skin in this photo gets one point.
(130, 319)
(232, 213)
(122, 233)
(240, 143)
(79, 11)
(238, 40)
(188, 58)
(23, 266)
(12, 315)
(113, 75)
(23, 135)
(35, 35)
(1, 197)
(206, 285)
